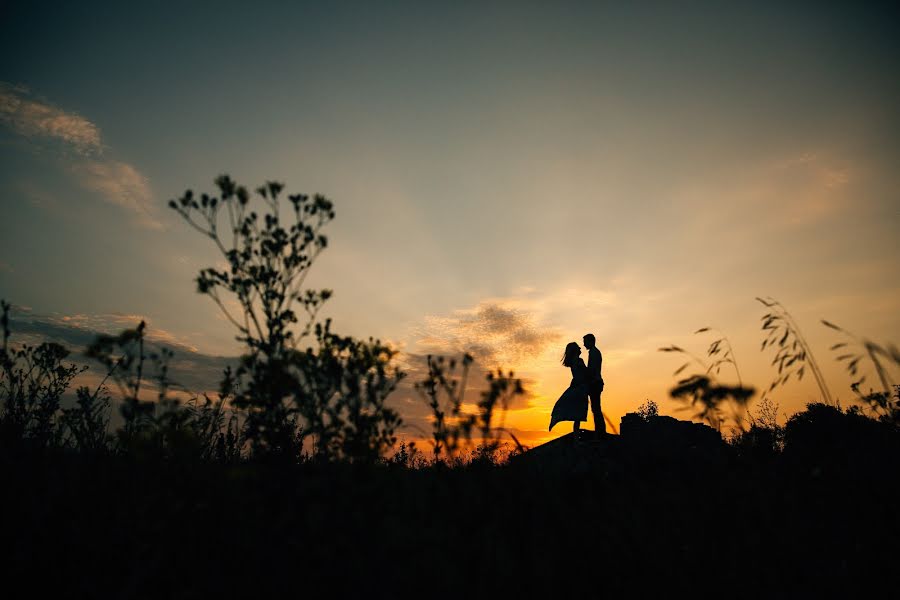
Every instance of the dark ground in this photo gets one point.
(614, 517)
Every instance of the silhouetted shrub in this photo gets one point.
(342, 388)
(332, 393)
(452, 425)
(32, 382)
(827, 435)
(87, 423)
(648, 410)
(163, 427)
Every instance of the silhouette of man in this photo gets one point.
(595, 382)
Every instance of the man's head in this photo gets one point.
(589, 341)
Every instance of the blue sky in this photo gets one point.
(638, 172)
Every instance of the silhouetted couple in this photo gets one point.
(587, 382)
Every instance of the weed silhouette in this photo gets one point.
(884, 403)
(333, 395)
(444, 392)
(702, 392)
(793, 354)
(32, 382)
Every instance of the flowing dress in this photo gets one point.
(573, 404)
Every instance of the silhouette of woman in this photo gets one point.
(573, 404)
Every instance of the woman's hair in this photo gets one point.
(570, 354)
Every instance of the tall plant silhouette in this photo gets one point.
(444, 391)
(163, 427)
(794, 354)
(267, 266)
(702, 391)
(345, 385)
(125, 357)
(267, 263)
(335, 392)
(886, 401)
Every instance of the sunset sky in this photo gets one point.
(507, 176)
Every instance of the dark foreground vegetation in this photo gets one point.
(290, 481)
(818, 516)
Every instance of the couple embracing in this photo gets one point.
(586, 383)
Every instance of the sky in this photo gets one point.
(507, 176)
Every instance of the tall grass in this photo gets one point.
(702, 391)
(793, 354)
(886, 401)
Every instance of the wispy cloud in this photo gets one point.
(74, 329)
(116, 182)
(189, 368)
(494, 332)
(33, 118)
(120, 184)
(810, 188)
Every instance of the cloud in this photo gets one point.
(34, 118)
(117, 182)
(810, 188)
(494, 332)
(120, 184)
(189, 368)
(518, 330)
